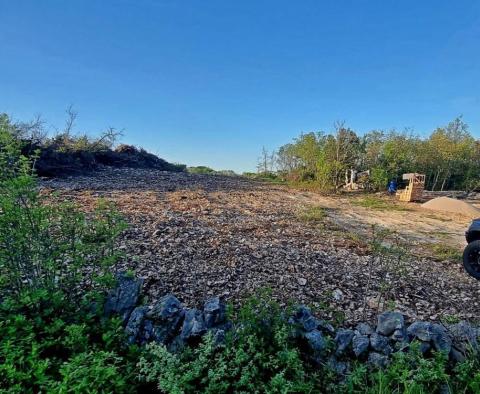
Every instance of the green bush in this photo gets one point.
(50, 345)
(262, 357)
(259, 357)
(409, 372)
(45, 245)
(54, 261)
(53, 246)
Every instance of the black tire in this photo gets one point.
(471, 259)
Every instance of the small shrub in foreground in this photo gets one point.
(50, 345)
(259, 357)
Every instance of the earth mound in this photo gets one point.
(452, 205)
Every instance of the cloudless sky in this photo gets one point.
(209, 82)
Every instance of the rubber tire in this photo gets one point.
(471, 248)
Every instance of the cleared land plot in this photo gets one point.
(196, 235)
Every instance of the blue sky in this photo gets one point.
(210, 82)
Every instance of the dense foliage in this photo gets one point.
(56, 263)
(450, 157)
(50, 345)
(49, 246)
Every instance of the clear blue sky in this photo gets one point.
(211, 82)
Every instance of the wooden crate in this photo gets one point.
(414, 190)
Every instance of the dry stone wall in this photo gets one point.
(169, 323)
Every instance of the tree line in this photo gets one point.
(449, 157)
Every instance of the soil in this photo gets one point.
(201, 235)
(446, 204)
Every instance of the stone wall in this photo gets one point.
(168, 322)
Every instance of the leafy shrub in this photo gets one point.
(49, 246)
(50, 256)
(53, 245)
(409, 372)
(201, 170)
(259, 357)
(50, 345)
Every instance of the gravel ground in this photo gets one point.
(200, 235)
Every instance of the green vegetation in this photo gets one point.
(379, 203)
(48, 344)
(55, 265)
(209, 171)
(200, 170)
(263, 358)
(270, 177)
(448, 157)
(313, 214)
(260, 358)
(443, 251)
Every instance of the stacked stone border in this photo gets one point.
(169, 323)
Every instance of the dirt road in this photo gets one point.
(197, 235)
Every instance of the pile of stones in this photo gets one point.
(169, 323)
(375, 345)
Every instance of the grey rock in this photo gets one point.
(214, 312)
(123, 299)
(337, 295)
(441, 341)
(464, 336)
(193, 325)
(325, 327)
(303, 317)
(166, 308)
(399, 335)
(301, 281)
(377, 360)
(135, 323)
(425, 347)
(360, 344)
(147, 333)
(388, 322)
(218, 336)
(380, 344)
(364, 329)
(421, 330)
(457, 355)
(167, 315)
(339, 367)
(343, 339)
(316, 341)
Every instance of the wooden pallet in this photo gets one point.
(414, 190)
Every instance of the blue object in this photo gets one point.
(392, 187)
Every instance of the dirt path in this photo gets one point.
(201, 235)
(414, 224)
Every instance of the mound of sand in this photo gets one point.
(447, 204)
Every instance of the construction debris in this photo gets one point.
(355, 180)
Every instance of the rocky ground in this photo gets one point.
(198, 235)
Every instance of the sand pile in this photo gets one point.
(447, 204)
